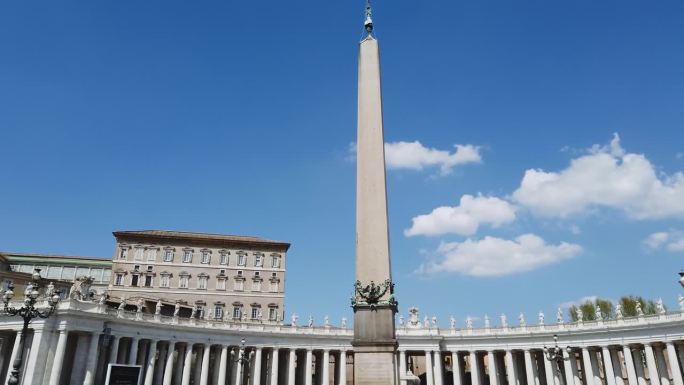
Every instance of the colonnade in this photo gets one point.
(650, 363)
(79, 357)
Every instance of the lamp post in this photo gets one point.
(241, 360)
(555, 354)
(681, 278)
(28, 312)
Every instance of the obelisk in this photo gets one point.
(373, 302)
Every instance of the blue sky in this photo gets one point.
(237, 117)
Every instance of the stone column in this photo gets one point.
(511, 370)
(114, 352)
(326, 367)
(569, 357)
(429, 368)
(662, 366)
(402, 366)
(91, 362)
(32, 360)
(491, 366)
(223, 365)
(674, 363)
(178, 366)
(13, 356)
(307, 368)
(204, 374)
(291, 359)
(133, 353)
(639, 366)
(256, 378)
(608, 365)
(652, 366)
(629, 364)
(456, 368)
(595, 367)
(588, 367)
(151, 361)
(187, 364)
(343, 368)
(58, 359)
(617, 367)
(438, 368)
(274, 366)
(474, 368)
(168, 369)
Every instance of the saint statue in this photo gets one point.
(157, 309)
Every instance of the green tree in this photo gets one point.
(589, 310)
(628, 304)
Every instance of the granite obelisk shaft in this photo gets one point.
(374, 338)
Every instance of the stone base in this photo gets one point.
(374, 368)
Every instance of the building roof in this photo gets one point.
(12, 257)
(192, 236)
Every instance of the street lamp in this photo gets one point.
(241, 359)
(681, 278)
(555, 354)
(28, 312)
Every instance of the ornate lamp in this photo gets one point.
(28, 312)
(681, 278)
(555, 354)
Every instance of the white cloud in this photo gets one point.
(656, 240)
(671, 241)
(464, 219)
(490, 256)
(577, 302)
(415, 156)
(676, 245)
(606, 177)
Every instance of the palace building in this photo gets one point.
(215, 276)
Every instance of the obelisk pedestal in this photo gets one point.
(374, 304)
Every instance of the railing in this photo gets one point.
(329, 330)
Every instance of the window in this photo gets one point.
(119, 279)
(220, 284)
(148, 281)
(202, 282)
(138, 254)
(168, 255)
(183, 282)
(275, 261)
(134, 280)
(218, 312)
(165, 280)
(256, 285)
(255, 312)
(149, 268)
(239, 285)
(272, 314)
(257, 274)
(274, 287)
(123, 254)
(187, 256)
(274, 275)
(223, 259)
(151, 254)
(237, 312)
(258, 260)
(239, 273)
(242, 260)
(205, 256)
